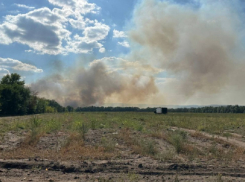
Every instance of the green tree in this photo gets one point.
(32, 105)
(50, 109)
(41, 105)
(56, 105)
(69, 109)
(14, 96)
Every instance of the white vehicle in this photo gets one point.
(161, 110)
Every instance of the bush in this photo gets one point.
(178, 139)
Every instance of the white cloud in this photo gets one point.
(124, 44)
(90, 41)
(78, 23)
(98, 32)
(8, 63)
(82, 45)
(24, 6)
(46, 31)
(102, 50)
(3, 72)
(79, 6)
(40, 29)
(119, 34)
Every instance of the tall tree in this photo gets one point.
(14, 96)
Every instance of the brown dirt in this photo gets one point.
(236, 139)
(52, 141)
(116, 157)
(141, 169)
(11, 140)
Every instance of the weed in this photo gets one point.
(213, 150)
(133, 177)
(93, 124)
(108, 143)
(219, 178)
(177, 139)
(199, 135)
(166, 155)
(140, 128)
(35, 130)
(227, 135)
(33, 138)
(141, 146)
(201, 128)
(177, 142)
(20, 125)
(52, 125)
(148, 147)
(145, 147)
(74, 137)
(35, 122)
(81, 128)
(183, 134)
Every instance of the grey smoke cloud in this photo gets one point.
(92, 86)
(199, 46)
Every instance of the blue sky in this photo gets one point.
(110, 15)
(178, 50)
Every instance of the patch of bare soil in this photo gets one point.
(114, 170)
(125, 164)
(11, 140)
(52, 141)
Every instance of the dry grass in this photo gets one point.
(199, 136)
(148, 125)
(141, 146)
(73, 152)
(74, 149)
(160, 135)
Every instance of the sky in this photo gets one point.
(126, 52)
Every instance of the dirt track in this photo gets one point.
(114, 170)
(236, 140)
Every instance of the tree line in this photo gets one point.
(113, 109)
(17, 99)
(206, 109)
(212, 109)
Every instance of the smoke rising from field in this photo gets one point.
(198, 44)
(91, 86)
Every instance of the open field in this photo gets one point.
(123, 147)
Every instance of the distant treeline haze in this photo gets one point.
(212, 109)
(17, 99)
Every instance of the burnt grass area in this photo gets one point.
(122, 147)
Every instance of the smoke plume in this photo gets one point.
(92, 86)
(197, 43)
